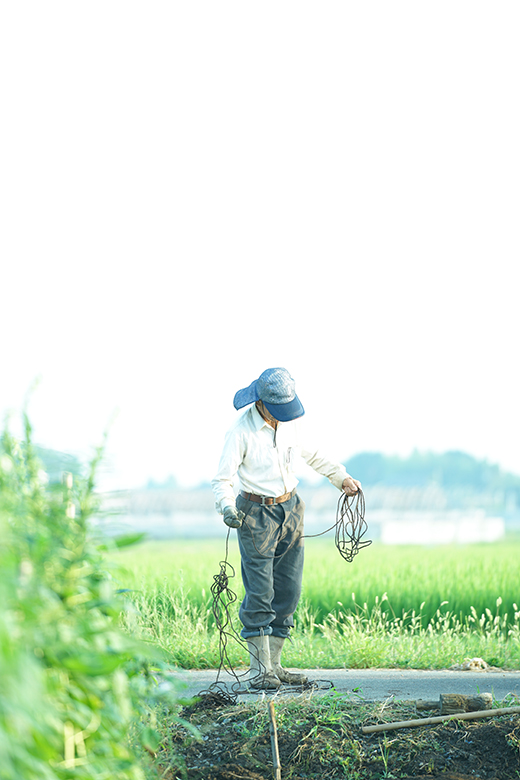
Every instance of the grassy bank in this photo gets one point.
(394, 606)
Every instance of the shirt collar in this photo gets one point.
(258, 420)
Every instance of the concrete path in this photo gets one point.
(375, 684)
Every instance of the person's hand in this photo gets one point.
(233, 517)
(350, 486)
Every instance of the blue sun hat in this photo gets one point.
(275, 388)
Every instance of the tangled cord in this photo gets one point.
(222, 599)
(350, 527)
(219, 694)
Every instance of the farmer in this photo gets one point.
(261, 448)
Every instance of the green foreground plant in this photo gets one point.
(73, 685)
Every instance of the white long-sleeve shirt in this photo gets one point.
(262, 468)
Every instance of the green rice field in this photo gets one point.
(415, 607)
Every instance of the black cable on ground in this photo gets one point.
(350, 528)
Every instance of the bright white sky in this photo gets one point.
(194, 192)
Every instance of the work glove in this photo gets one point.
(233, 517)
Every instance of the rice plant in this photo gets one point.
(413, 608)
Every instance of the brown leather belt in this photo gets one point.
(267, 500)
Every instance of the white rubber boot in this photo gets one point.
(260, 669)
(291, 678)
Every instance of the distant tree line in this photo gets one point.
(170, 483)
(449, 470)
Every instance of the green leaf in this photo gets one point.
(128, 539)
(150, 739)
(92, 664)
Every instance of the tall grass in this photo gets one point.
(408, 607)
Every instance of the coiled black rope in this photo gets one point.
(351, 525)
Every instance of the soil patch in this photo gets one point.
(322, 738)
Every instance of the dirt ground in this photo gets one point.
(320, 741)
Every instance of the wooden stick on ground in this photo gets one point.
(407, 724)
(457, 702)
(274, 743)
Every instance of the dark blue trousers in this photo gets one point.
(271, 549)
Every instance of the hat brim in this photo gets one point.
(246, 396)
(286, 412)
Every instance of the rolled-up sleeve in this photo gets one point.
(335, 472)
(231, 458)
